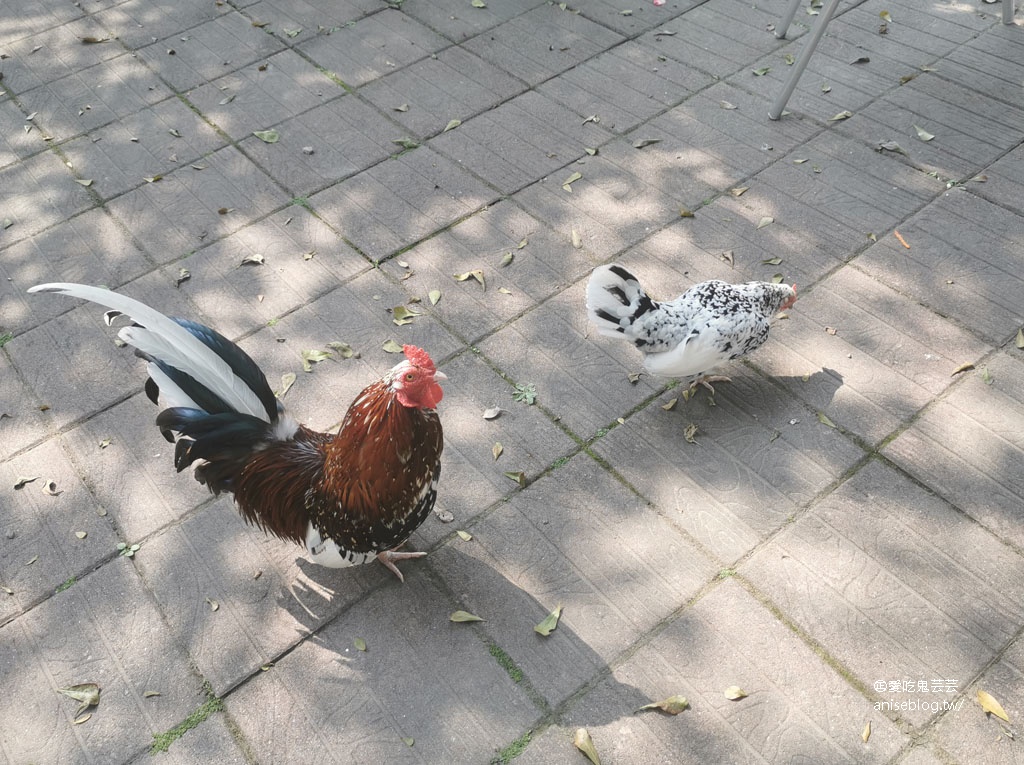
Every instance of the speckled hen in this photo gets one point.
(347, 498)
(709, 324)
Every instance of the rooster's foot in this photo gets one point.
(706, 381)
(388, 558)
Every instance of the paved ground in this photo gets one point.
(844, 539)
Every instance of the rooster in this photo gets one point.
(709, 324)
(347, 498)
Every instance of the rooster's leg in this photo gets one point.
(388, 558)
(706, 381)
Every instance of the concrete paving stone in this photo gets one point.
(922, 755)
(694, 248)
(722, 145)
(625, 86)
(372, 47)
(798, 709)
(209, 51)
(90, 248)
(15, 143)
(240, 299)
(902, 43)
(454, 84)
(120, 156)
(584, 384)
(180, 211)
(968, 732)
(542, 42)
(211, 741)
(937, 24)
(758, 459)
(967, 447)
(991, 64)
(39, 550)
(971, 128)
(452, 19)
(36, 194)
(28, 17)
(471, 478)
(1004, 181)
(269, 597)
(615, 565)
(853, 184)
(71, 363)
(23, 424)
(630, 19)
(295, 21)
(106, 630)
(346, 137)
(137, 23)
(133, 477)
(54, 53)
(520, 141)
(257, 97)
(595, 208)
(545, 264)
(867, 573)
(396, 203)
(421, 677)
(890, 356)
(964, 262)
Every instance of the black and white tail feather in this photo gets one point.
(218, 400)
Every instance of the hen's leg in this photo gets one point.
(706, 381)
(388, 558)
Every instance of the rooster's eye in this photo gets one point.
(410, 376)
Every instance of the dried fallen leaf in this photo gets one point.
(738, 191)
(776, 279)
(401, 315)
(550, 622)
(727, 105)
(22, 480)
(81, 534)
(343, 350)
(504, 291)
(465, 536)
(830, 330)
(434, 296)
(87, 693)
(690, 433)
(287, 381)
(765, 221)
(507, 258)
(313, 356)
(685, 212)
(729, 257)
(477, 274)
(1019, 342)
(843, 115)
(884, 16)
(153, 178)
(493, 413)
(82, 719)
(214, 605)
(390, 346)
(497, 449)
(50, 488)
(962, 368)
(568, 182)
(183, 276)
(267, 136)
(824, 420)
(986, 376)
(452, 124)
(735, 693)
(990, 706)
(762, 71)
(86, 183)
(581, 740)
(772, 261)
(150, 694)
(478, 3)
(642, 142)
(670, 404)
(409, 740)
(673, 705)
(253, 260)
(464, 616)
(360, 644)
(518, 476)
(577, 240)
(923, 134)
(406, 143)
(634, 377)
(866, 734)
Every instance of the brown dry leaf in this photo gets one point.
(739, 191)
(516, 475)
(765, 220)
(577, 240)
(464, 616)
(313, 356)
(390, 346)
(690, 433)
(830, 330)
(504, 291)
(153, 178)
(81, 534)
(824, 420)
(962, 368)
(50, 488)
(507, 258)
(866, 734)
(183, 276)
(522, 243)
(990, 706)
(642, 142)
(22, 480)
(150, 694)
(1019, 342)
(685, 212)
(771, 261)
(497, 449)
(673, 705)
(735, 693)
(360, 644)
(343, 350)
(434, 296)
(777, 279)
(670, 405)
(409, 740)
(214, 605)
(729, 257)
(550, 622)
(843, 115)
(465, 536)
(568, 182)
(253, 260)
(493, 413)
(287, 381)
(477, 274)
(452, 124)
(86, 183)
(82, 719)
(401, 315)
(581, 740)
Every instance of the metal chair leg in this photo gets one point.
(787, 20)
(1007, 11)
(825, 15)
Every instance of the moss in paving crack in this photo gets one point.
(65, 584)
(506, 663)
(162, 741)
(512, 751)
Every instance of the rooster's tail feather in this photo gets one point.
(615, 300)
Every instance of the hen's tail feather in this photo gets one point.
(183, 349)
(615, 300)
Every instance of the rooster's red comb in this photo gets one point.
(419, 357)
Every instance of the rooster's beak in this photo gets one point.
(440, 376)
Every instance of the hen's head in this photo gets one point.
(790, 300)
(415, 380)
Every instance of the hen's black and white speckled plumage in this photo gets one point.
(709, 324)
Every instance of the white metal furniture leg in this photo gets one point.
(1007, 11)
(824, 16)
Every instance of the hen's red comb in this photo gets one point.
(419, 357)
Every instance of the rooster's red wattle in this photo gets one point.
(347, 498)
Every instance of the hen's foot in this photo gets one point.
(706, 381)
(388, 558)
